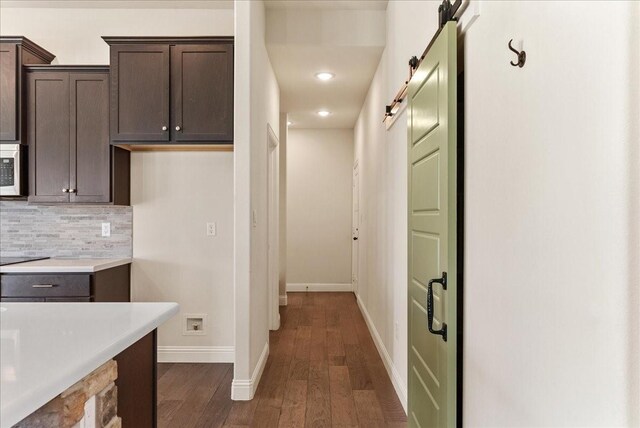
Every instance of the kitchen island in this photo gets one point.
(47, 348)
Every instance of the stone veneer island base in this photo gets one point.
(90, 403)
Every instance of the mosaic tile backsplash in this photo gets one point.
(64, 230)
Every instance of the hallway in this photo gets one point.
(323, 370)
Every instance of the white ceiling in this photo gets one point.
(120, 4)
(346, 38)
(302, 95)
(328, 4)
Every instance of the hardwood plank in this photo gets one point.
(241, 413)
(318, 414)
(334, 343)
(360, 378)
(286, 345)
(166, 409)
(368, 409)
(292, 319)
(306, 316)
(274, 381)
(318, 316)
(343, 408)
(266, 416)
(199, 395)
(389, 402)
(299, 370)
(163, 368)
(294, 299)
(318, 347)
(294, 406)
(303, 343)
(217, 409)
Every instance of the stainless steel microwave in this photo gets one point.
(12, 170)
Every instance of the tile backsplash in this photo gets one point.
(64, 230)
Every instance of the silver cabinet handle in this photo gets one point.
(178, 128)
(164, 128)
(65, 190)
(42, 286)
(72, 190)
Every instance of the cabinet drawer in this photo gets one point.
(21, 299)
(67, 299)
(45, 285)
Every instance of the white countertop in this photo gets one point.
(47, 347)
(64, 266)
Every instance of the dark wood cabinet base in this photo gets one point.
(137, 383)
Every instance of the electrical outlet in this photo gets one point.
(254, 218)
(211, 229)
(106, 230)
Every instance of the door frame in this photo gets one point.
(273, 226)
(355, 231)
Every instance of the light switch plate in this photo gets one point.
(106, 230)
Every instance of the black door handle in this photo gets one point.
(355, 238)
(443, 281)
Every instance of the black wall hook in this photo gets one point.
(522, 56)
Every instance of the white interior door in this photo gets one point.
(355, 234)
(273, 202)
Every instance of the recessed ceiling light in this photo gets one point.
(325, 75)
(324, 113)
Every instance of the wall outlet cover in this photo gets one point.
(194, 324)
(211, 229)
(106, 230)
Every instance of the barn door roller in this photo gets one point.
(446, 13)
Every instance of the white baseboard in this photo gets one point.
(283, 300)
(196, 354)
(244, 389)
(315, 287)
(396, 380)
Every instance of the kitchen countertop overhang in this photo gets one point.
(64, 265)
(47, 347)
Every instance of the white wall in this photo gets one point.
(174, 259)
(552, 238)
(257, 98)
(73, 34)
(319, 175)
(551, 256)
(382, 162)
(163, 213)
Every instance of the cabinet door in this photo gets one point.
(90, 147)
(202, 92)
(8, 92)
(48, 136)
(140, 93)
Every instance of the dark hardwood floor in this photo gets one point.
(323, 371)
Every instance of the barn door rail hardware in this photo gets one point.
(446, 13)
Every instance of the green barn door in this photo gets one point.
(432, 236)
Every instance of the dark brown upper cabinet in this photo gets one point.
(140, 93)
(16, 51)
(70, 158)
(171, 90)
